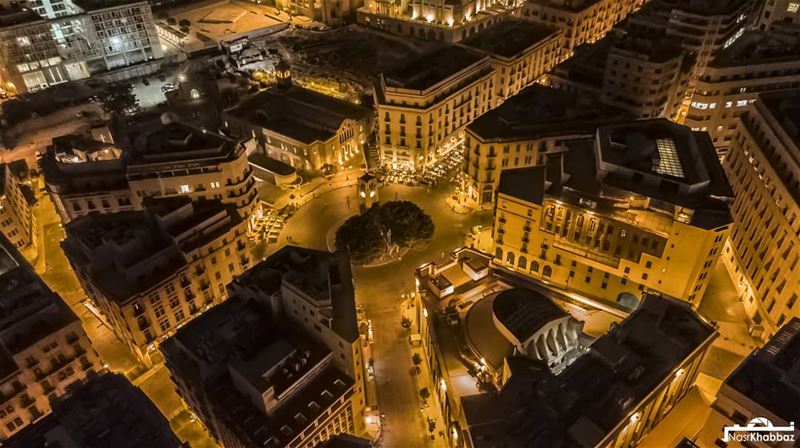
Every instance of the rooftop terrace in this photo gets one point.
(510, 37)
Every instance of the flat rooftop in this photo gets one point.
(540, 111)
(104, 412)
(298, 113)
(758, 47)
(510, 37)
(588, 399)
(16, 15)
(323, 276)
(771, 375)
(432, 68)
(96, 5)
(565, 5)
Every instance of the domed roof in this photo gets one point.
(524, 311)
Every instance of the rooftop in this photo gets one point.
(540, 111)
(107, 411)
(267, 163)
(432, 68)
(127, 253)
(771, 375)
(96, 5)
(784, 106)
(596, 393)
(29, 310)
(524, 311)
(565, 5)
(16, 15)
(323, 276)
(270, 380)
(758, 47)
(300, 114)
(510, 37)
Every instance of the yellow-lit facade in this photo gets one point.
(415, 127)
(763, 252)
(606, 255)
(583, 21)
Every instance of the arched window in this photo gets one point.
(535, 266)
(510, 258)
(498, 253)
(547, 271)
(523, 263)
(195, 94)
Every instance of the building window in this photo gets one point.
(793, 7)
(547, 271)
(194, 94)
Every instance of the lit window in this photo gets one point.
(793, 7)
(699, 105)
(184, 188)
(195, 94)
(741, 103)
(728, 104)
(214, 184)
(668, 161)
(23, 41)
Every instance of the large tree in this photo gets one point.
(409, 224)
(117, 98)
(397, 223)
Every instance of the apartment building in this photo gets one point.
(778, 13)
(628, 380)
(757, 62)
(447, 21)
(151, 161)
(56, 42)
(17, 222)
(103, 411)
(646, 76)
(303, 128)
(43, 348)
(149, 272)
(521, 53)
(279, 364)
(583, 21)
(422, 107)
(519, 133)
(327, 11)
(764, 174)
(763, 386)
(612, 216)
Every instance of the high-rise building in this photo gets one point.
(763, 170)
(520, 131)
(43, 348)
(17, 222)
(701, 27)
(779, 13)
(646, 76)
(279, 364)
(764, 386)
(610, 396)
(583, 21)
(149, 272)
(756, 62)
(303, 128)
(612, 215)
(158, 160)
(56, 42)
(104, 411)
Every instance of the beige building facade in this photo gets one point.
(764, 175)
(150, 272)
(621, 225)
(44, 348)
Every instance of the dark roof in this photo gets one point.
(430, 69)
(300, 114)
(509, 37)
(524, 311)
(108, 411)
(483, 336)
(15, 15)
(595, 393)
(346, 441)
(771, 375)
(524, 183)
(540, 111)
(267, 163)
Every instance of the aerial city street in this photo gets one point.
(399, 223)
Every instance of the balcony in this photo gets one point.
(244, 261)
(144, 323)
(185, 282)
(501, 231)
(240, 246)
(502, 220)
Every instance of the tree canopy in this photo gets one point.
(369, 236)
(117, 98)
